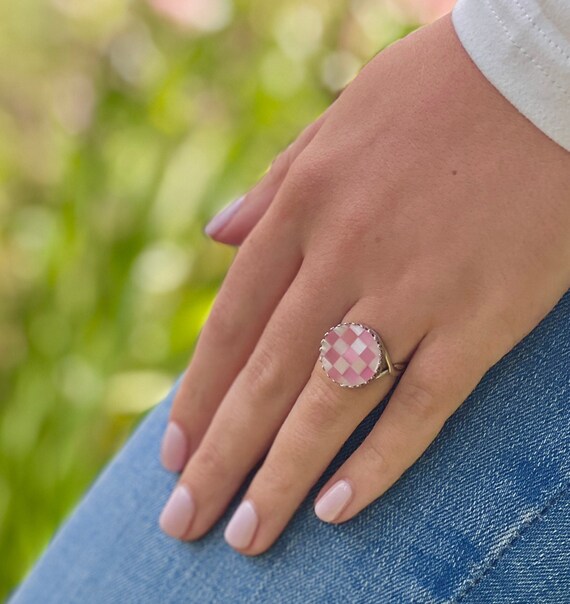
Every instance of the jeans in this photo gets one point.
(483, 516)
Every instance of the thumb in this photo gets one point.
(232, 224)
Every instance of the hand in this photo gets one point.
(425, 206)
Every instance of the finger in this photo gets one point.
(257, 403)
(233, 224)
(441, 374)
(320, 422)
(262, 271)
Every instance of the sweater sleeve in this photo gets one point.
(523, 48)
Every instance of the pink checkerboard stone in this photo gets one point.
(350, 354)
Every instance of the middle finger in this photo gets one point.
(256, 404)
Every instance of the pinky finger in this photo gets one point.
(441, 374)
(234, 223)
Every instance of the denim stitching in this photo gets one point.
(493, 559)
(523, 51)
(541, 31)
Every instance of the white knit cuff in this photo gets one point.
(523, 48)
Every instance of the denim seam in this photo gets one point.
(484, 569)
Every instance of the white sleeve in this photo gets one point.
(523, 48)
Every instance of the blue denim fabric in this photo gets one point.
(483, 516)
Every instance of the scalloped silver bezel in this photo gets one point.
(382, 364)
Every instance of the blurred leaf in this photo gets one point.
(123, 127)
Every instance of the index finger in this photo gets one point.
(262, 271)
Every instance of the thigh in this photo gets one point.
(483, 516)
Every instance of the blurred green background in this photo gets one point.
(123, 127)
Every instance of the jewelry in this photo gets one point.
(353, 354)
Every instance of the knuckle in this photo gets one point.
(417, 400)
(209, 462)
(286, 460)
(308, 175)
(375, 455)
(325, 406)
(281, 164)
(278, 480)
(221, 325)
(304, 191)
(262, 372)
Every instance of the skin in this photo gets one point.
(421, 203)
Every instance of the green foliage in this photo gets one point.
(120, 134)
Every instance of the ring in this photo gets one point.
(353, 354)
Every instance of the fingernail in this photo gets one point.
(223, 217)
(331, 504)
(174, 449)
(241, 528)
(177, 512)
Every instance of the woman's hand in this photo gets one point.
(422, 204)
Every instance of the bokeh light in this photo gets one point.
(123, 127)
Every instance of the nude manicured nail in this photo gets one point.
(241, 528)
(174, 449)
(177, 513)
(331, 504)
(223, 217)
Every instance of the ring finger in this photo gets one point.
(320, 422)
